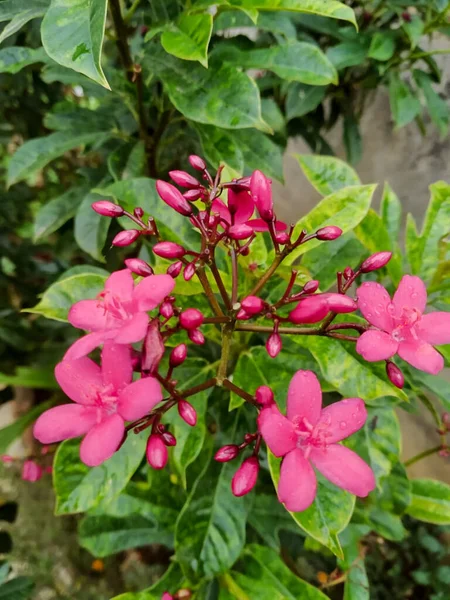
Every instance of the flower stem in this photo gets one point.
(227, 333)
(208, 291)
(234, 276)
(199, 388)
(421, 455)
(239, 391)
(270, 271)
(220, 284)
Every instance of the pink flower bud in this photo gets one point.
(156, 452)
(168, 438)
(107, 209)
(175, 269)
(261, 191)
(311, 286)
(126, 238)
(328, 233)
(340, 303)
(197, 163)
(5, 458)
(191, 318)
(178, 355)
(252, 305)
(226, 453)
(166, 309)
(376, 261)
(242, 315)
(395, 375)
(264, 396)
(138, 212)
(189, 271)
(244, 479)
(282, 238)
(187, 412)
(136, 361)
(31, 471)
(348, 273)
(173, 197)
(166, 596)
(183, 179)
(153, 348)
(240, 232)
(310, 310)
(196, 336)
(169, 250)
(193, 195)
(138, 266)
(273, 345)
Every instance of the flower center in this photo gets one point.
(113, 306)
(405, 324)
(106, 401)
(312, 436)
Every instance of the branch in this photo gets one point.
(208, 291)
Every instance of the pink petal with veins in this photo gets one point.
(304, 398)
(376, 345)
(298, 484)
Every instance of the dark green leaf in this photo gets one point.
(58, 211)
(15, 58)
(189, 38)
(91, 229)
(356, 585)
(171, 581)
(11, 432)
(347, 54)
(40, 378)
(19, 588)
(19, 12)
(404, 104)
(268, 516)
(391, 213)
(382, 46)
(272, 115)
(430, 501)
(437, 106)
(414, 29)
(327, 174)
(259, 152)
(352, 139)
(302, 99)
(219, 147)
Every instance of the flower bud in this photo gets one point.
(167, 596)
(193, 195)
(183, 179)
(226, 453)
(273, 345)
(244, 479)
(175, 269)
(264, 396)
(282, 238)
(31, 471)
(168, 438)
(340, 303)
(107, 209)
(178, 355)
(310, 310)
(169, 250)
(189, 271)
(261, 192)
(196, 336)
(197, 163)
(5, 458)
(240, 232)
(166, 309)
(252, 305)
(138, 212)
(376, 261)
(242, 315)
(191, 318)
(395, 375)
(153, 348)
(136, 361)
(348, 273)
(126, 238)
(187, 412)
(156, 452)
(173, 197)
(328, 233)
(311, 286)
(138, 266)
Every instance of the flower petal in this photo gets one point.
(434, 328)
(411, 293)
(117, 367)
(64, 422)
(133, 330)
(260, 225)
(89, 315)
(421, 355)
(298, 484)
(152, 290)
(376, 345)
(102, 441)
(85, 345)
(219, 208)
(344, 468)
(304, 398)
(138, 398)
(373, 302)
(120, 284)
(80, 379)
(343, 418)
(244, 205)
(278, 432)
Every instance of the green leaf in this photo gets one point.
(272, 115)
(414, 29)
(356, 586)
(40, 378)
(411, 243)
(35, 154)
(210, 531)
(20, 12)
(405, 106)
(72, 34)
(259, 152)
(11, 432)
(79, 488)
(58, 211)
(347, 54)
(327, 174)
(277, 22)
(391, 213)
(302, 99)
(329, 514)
(219, 147)
(336, 363)
(15, 58)
(19, 588)
(91, 229)
(352, 139)
(223, 96)
(172, 581)
(59, 297)
(267, 517)
(344, 208)
(437, 106)
(382, 46)
(430, 501)
(189, 39)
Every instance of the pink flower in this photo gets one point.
(31, 471)
(401, 326)
(119, 313)
(104, 398)
(314, 308)
(308, 435)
